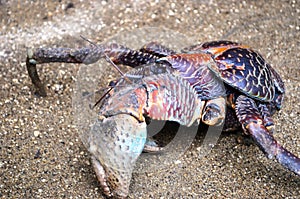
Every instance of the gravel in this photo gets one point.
(41, 153)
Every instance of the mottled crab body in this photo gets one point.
(192, 86)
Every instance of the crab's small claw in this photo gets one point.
(115, 143)
(214, 112)
(253, 124)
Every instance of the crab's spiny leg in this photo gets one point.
(252, 122)
(117, 53)
(157, 49)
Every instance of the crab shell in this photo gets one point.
(244, 69)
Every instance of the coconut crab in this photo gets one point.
(211, 82)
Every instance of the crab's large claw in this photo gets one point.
(117, 140)
(115, 144)
(253, 124)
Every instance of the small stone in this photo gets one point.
(44, 180)
(36, 133)
(171, 13)
(177, 162)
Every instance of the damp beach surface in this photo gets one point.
(41, 153)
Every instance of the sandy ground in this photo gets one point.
(41, 154)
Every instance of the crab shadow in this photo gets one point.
(270, 169)
(275, 175)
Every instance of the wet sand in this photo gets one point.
(41, 154)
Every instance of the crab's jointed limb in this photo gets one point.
(253, 124)
(117, 53)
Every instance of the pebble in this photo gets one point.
(36, 133)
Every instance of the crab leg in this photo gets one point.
(157, 49)
(253, 124)
(117, 53)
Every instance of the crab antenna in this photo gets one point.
(117, 68)
(108, 89)
(102, 97)
(86, 39)
(114, 65)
